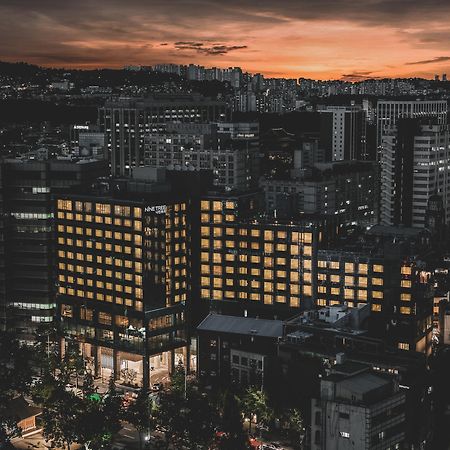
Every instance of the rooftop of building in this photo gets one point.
(382, 241)
(338, 318)
(242, 326)
(150, 185)
(35, 158)
(160, 99)
(363, 383)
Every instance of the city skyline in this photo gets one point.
(287, 38)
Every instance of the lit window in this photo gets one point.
(363, 268)
(349, 281)
(268, 235)
(307, 290)
(406, 270)
(362, 294)
(349, 267)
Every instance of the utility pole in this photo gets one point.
(185, 381)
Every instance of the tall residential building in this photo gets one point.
(127, 120)
(27, 260)
(389, 111)
(123, 261)
(414, 166)
(360, 409)
(343, 132)
(229, 150)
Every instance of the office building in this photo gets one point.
(343, 132)
(126, 121)
(389, 111)
(229, 150)
(27, 260)
(414, 167)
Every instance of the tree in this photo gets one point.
(72, 364)
(97, 422)
(113, 407)
(88, 385)
(254, 402)
(140, 413)
(293, 422)
(46, 355)
(200, 419)
(184, 414)
(231, 421)
(15, 378)
(60, 415)
(170, 417)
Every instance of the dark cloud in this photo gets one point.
(357, 76)
(215, 49)
(438, 59)
(189, 44)
(187, 12)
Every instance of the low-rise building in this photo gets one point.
(360, 410)
(237, 349)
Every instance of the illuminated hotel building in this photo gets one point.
(123, 263)
(252, 266)
(395, 287)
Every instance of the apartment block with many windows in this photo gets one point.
(256, 265)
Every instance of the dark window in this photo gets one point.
(317, 437)
(318, 418)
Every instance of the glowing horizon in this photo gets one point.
(284, 38)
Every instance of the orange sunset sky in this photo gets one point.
(320, 39)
